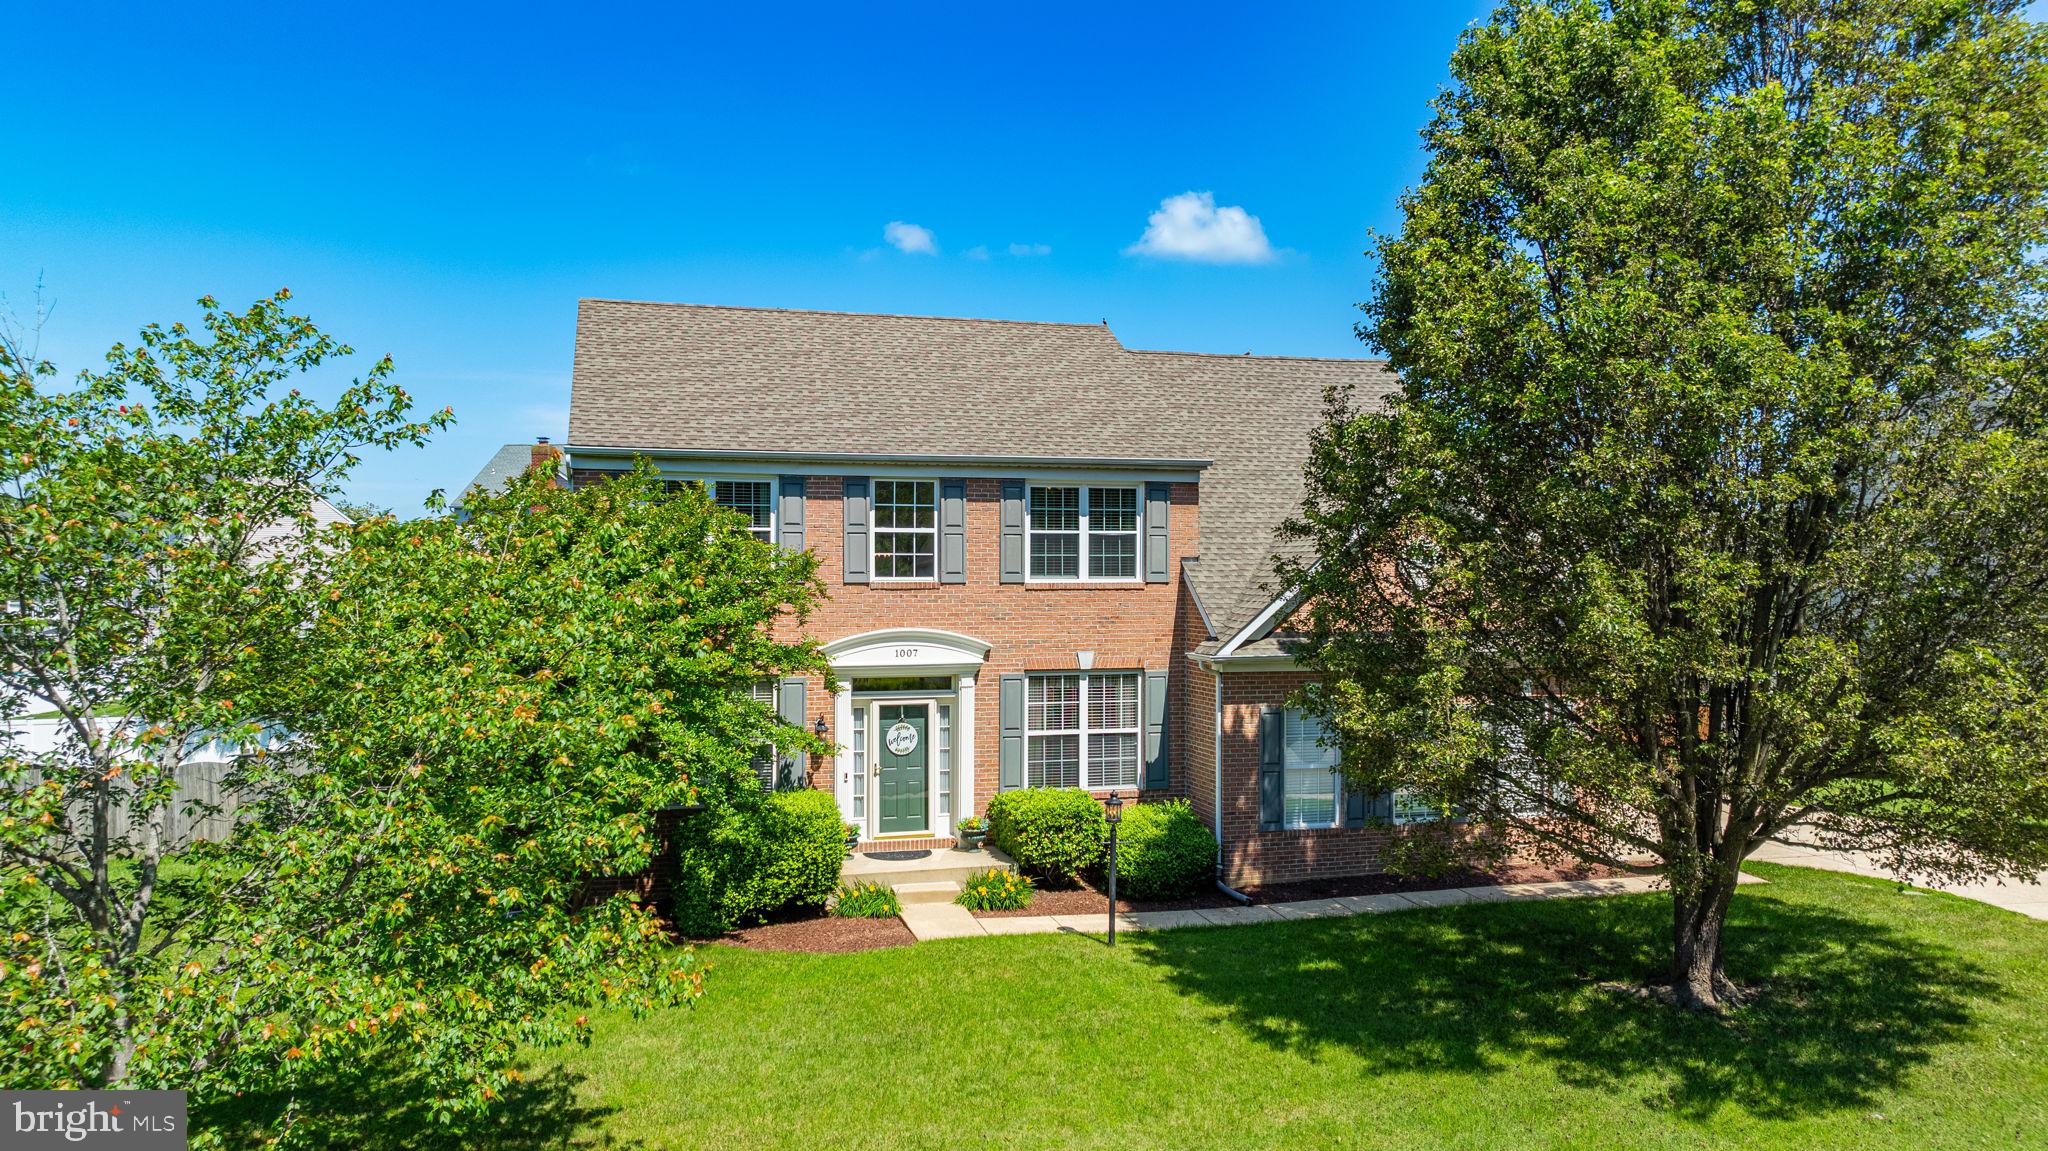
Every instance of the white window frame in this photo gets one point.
(1086, 729)
(1289, 717)
(1083, 531)
(875, 531)
(766, 534)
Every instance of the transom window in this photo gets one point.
(906, 529)
(1081, 730)
(1308, 777)
(1083, 533)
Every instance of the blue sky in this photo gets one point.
(443, 183)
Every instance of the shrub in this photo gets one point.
(867, 901)
(1163, 851)
(739, 864)
(996, 889)
(1053, 833)
(1435, 850)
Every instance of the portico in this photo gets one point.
(904, 718)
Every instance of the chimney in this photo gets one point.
(547, 455)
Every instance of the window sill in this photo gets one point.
(1085, 585)
(904, 584)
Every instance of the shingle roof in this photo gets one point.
(685, 377)
(510, 462)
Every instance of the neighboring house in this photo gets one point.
(1049, 556)
(508, 464)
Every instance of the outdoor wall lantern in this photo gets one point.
(1113, 811)
(819, 727)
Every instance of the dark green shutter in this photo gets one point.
(952, 531)
(1270, 762)
(1010, 709)
(1383, 807)
(1354, 804)
(789, 529)
(858, 557)
(1013, 531)
(1156, 769)
(1157, 549)
(789, 706)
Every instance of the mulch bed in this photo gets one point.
(1384, 884)
(822, 934)
(1088, 900)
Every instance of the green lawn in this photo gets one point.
(1891, 1019)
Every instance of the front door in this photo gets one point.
(901, 760)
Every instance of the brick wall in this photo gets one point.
(1252, 856)
(1034, 627)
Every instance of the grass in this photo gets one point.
(1888, 1019)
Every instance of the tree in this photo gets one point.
(1712, 504)
(441, 733)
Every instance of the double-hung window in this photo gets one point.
(1083, 533)
(1081, 730)
(1308, 777)
(754, 499)
(906, 530)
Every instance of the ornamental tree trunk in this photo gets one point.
(1697, 981)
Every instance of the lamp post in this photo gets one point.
(1113, 811)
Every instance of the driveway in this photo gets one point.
(2029, 899)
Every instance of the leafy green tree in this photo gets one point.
(1712, 507)
(444, 734)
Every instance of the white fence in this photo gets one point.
(202, 809)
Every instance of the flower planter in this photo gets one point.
(970, 840)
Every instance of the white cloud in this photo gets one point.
(977, 252)
(910, 238)
(1031, 249)
(1191, 227)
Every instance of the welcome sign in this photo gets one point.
(130, 1120)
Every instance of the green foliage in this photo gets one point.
(969, 823)
(1443, 848)
(996, 889)
(483, 715)
(1163, 851)
(746, 859)
(1056, 834)
(1712, 505)
(866, 901)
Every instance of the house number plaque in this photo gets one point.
(901, 739)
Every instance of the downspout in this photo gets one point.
(1217, 793)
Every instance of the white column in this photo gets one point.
(842, 732)
(963, 751)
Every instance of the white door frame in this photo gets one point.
(901, 652)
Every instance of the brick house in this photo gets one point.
(1048, 555)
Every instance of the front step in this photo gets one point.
(946, 865)
(927, 892)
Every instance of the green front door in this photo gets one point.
(900, 792)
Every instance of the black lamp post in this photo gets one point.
(1113, 811)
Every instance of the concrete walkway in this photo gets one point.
(949, 921)
(2029, 899)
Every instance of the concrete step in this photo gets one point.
(944, 865)
(941, 891)
(940, 921)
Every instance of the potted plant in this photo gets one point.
(852, 838)
(969, 830)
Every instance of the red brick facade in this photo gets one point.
(1253, 856)
(1044, 627)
